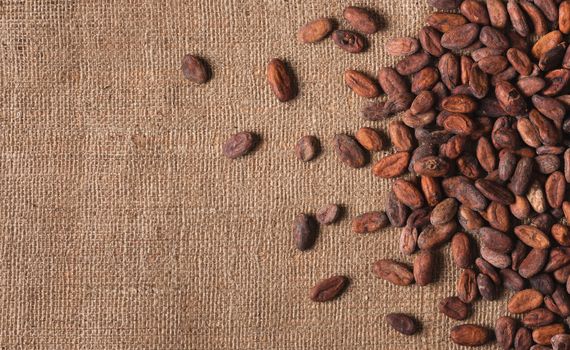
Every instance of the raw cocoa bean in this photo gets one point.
(460, 37)
(544, 283)
(488, 269)
(538, 318)
(557, 81)
(407, 193)
(238, 145)
(444, 22)
(361, 84)
(350, 42)
(459, 104)
(498, 260)
(393, 272)
(461, 249)
(518, 18)
(349, 151)
(495, 192)
(505, 330)
(510, 98)
(548, 8)
(449, 69)
(195, 69)
(558, 257)
(413, 63)
(391, 82)
(444, 211)
(496, 240)
(525, 300)
(498, 216)
(462, 189)
(454, 308)
(307, 148)
(396, 211)
(533, 263)
(507, 165)
(475, 11)
(498, 15)
(547, 164)
(543, 335)
(478, 82)
(522, 176)
(518, 254)
(431, 190)
(409, 240)
(561, 234)
(392, 165)
(560, 342)
(328, 214)
(469, 335)
(546, 43)
(402, 323)
(523, 339)
(532, 236)
(457, 123)
(486, 287)
(445, 4)
(370, 139)
(494, 38)
(403, 46)
(430, 39)
(425, 79)
(536, 16)
(370, 222)
(434, 236)
(564, 17)
(465, 63)
(401, 136)
(281, 80)
(467, 286)
(555, 189)
(304, 232)
(424, 265)
(529, 86)
(328, 289)
(315, 31)
(361, 19)
(520, 61)
(512, 280)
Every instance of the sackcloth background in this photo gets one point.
(123, 226)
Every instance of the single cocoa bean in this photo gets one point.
(328, 289)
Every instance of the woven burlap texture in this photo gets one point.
(123, 226)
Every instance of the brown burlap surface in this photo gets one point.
(122, 225)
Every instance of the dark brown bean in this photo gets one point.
(505, 330)
(393, 272)
(328, 289)
(349, 151)
(307, 148)
(402, 323)
(454, 308)
(349, 41)
(304, 232)
(361, 19)
(239, 144)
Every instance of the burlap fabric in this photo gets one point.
(122, 225)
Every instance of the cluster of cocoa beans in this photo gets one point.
(482, 140)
